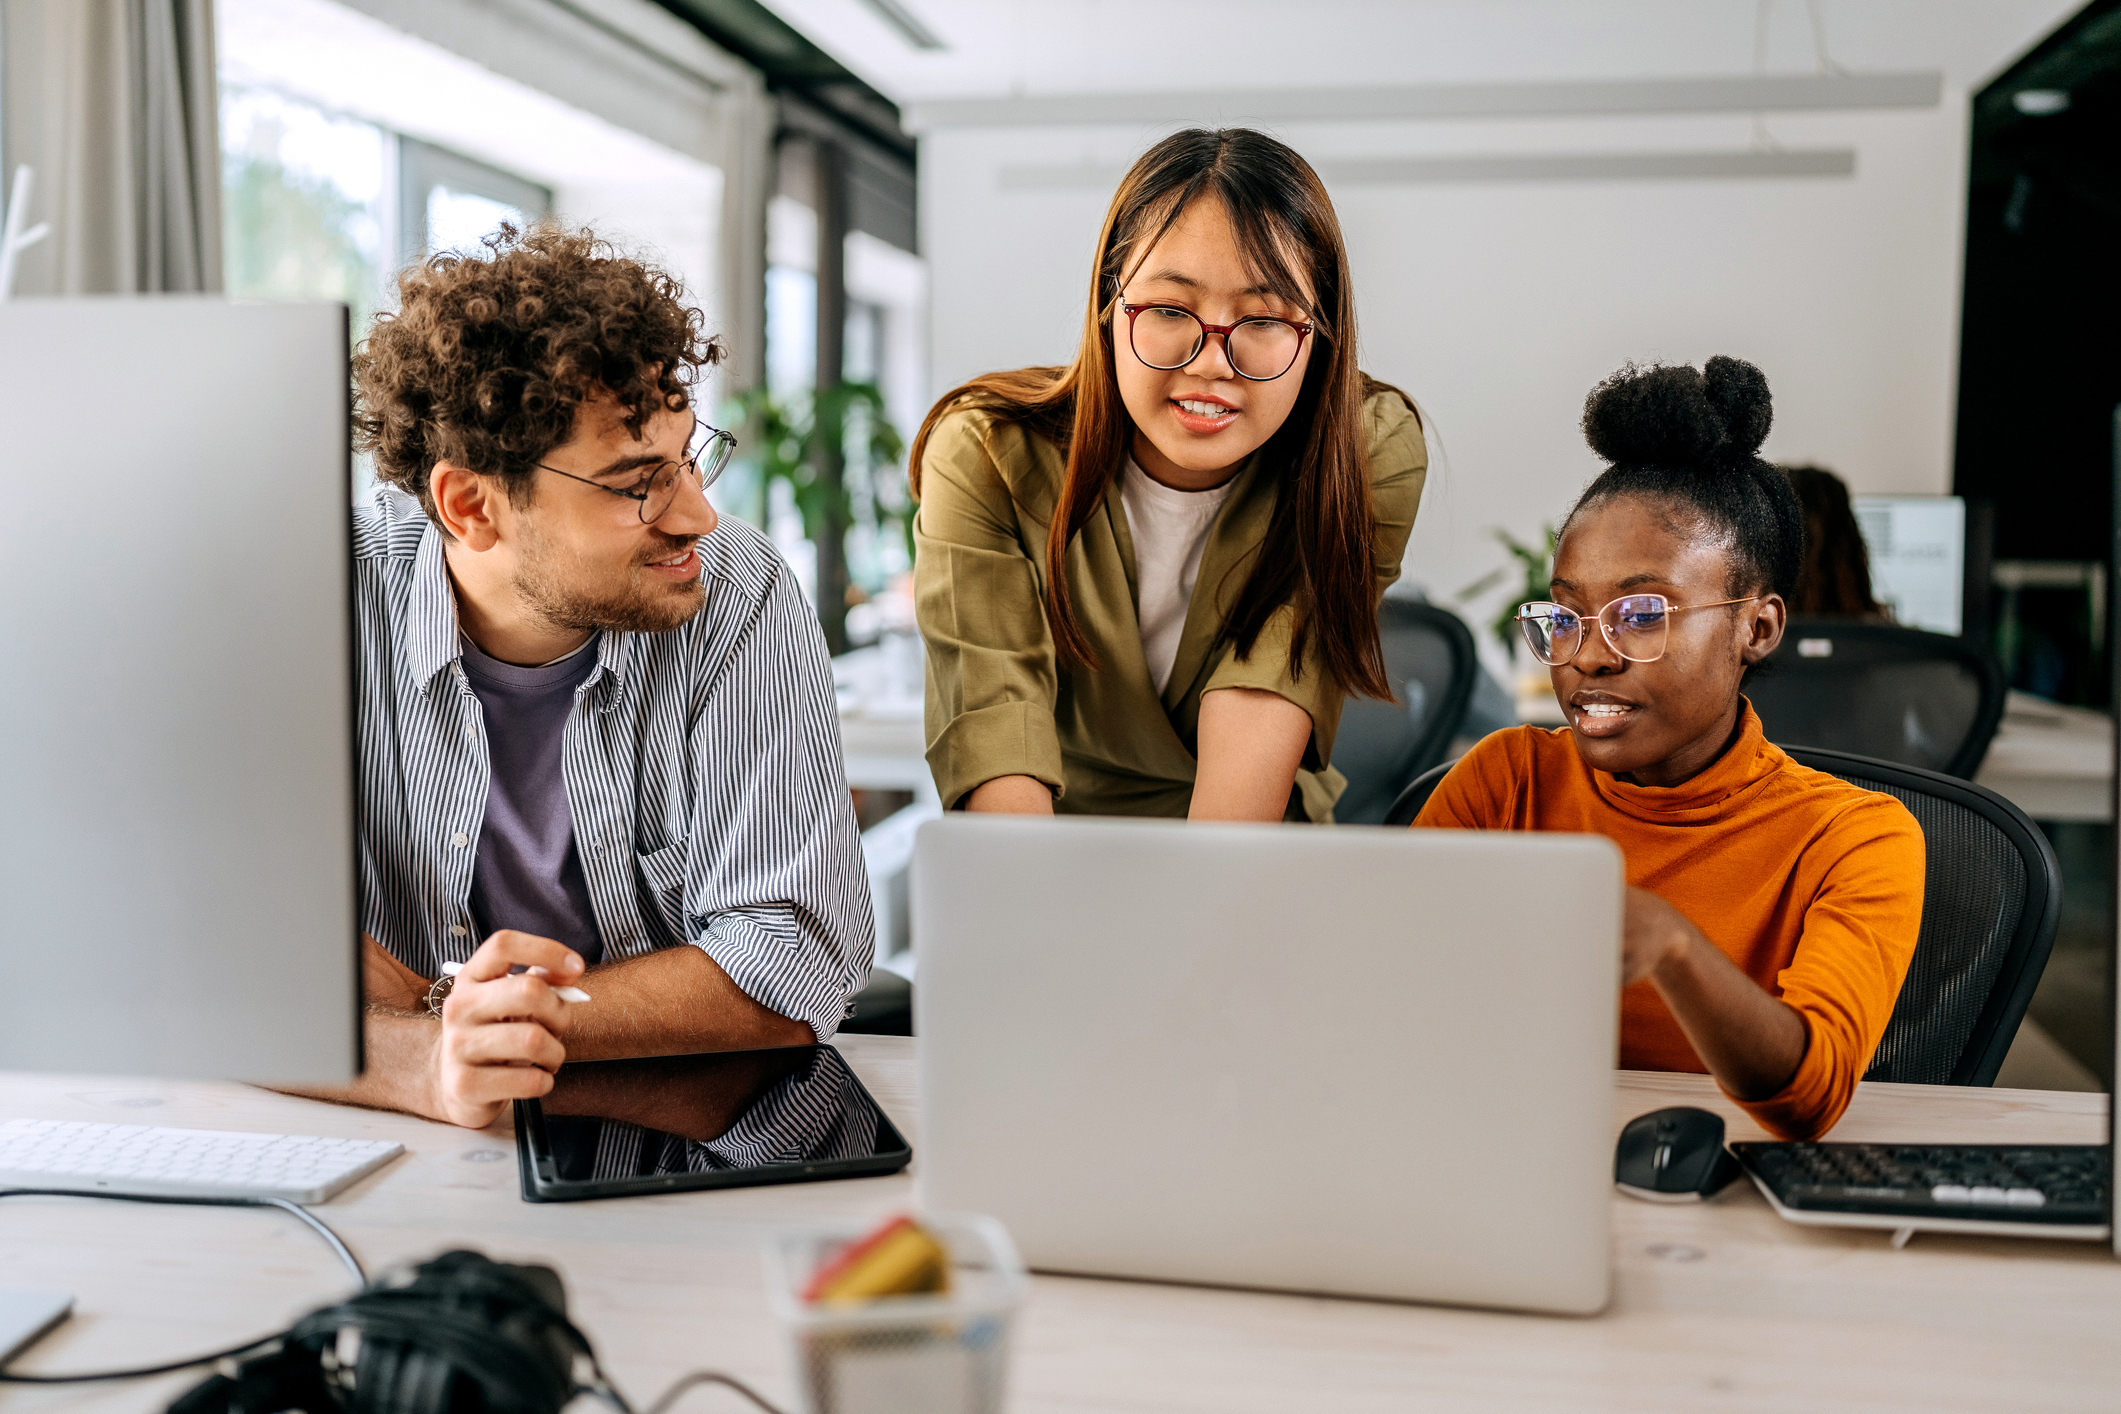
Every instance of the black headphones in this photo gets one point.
(456, 1335)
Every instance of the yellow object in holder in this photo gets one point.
(934, 1352)
(898, 1259)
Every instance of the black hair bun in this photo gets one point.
(1676, 416)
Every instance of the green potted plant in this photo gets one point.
(1534, 564)
(792, 437)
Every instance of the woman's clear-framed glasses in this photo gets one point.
(655, 491)
(1636, 626)
(1260, 349)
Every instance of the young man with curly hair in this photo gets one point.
(596, 725)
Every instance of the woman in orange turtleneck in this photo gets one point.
(1771, 909)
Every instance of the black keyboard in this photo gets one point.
(2034, 1184)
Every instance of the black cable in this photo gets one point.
(7, 1377)
(601, 1389)
(709, 1377)
(339, 1249)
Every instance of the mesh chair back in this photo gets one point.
(1879, 690)
(1991, 898)
(1417, 794)
(1431, 662)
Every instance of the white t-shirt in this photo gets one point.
(1170, 529)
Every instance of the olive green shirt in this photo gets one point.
(1106, 742)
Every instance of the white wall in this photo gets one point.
(1498, 305)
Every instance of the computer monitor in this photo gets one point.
(177, 892)
(2113, 837)
(1917, 548)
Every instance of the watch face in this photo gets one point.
(438, 992)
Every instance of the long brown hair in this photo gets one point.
(1318, 552)
(1836, 579)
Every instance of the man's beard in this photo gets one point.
(564, 589)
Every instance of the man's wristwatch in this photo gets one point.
(438, 992)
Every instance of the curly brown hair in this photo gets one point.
(488, 356)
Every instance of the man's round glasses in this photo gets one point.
(1260, 349)
(654, 492)
(1635, 625)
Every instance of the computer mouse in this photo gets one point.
(1673, 1156)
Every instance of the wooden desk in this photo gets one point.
(1721, 1306)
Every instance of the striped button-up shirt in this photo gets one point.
(703, 768)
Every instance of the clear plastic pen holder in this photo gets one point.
(942, 1354)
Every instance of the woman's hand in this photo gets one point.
(1752, 1042)
(1651, 932)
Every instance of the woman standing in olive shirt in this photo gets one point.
(1147, 580)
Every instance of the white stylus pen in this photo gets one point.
(565, 994)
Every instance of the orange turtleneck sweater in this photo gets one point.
(1812, 886)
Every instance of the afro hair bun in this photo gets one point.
(1679, 417)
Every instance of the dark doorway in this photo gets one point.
(2040, 349)
(2039, 417)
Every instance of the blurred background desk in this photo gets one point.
(2051, 761)
(1715, 1305)
(880, 705)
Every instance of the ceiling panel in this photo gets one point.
(995, 48)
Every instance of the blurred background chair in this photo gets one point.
(882, 1008)
(1880, 690)
(1381, 746)
(1991, 898)
(1409, 802)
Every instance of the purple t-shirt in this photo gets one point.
(527, 875)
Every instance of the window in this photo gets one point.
(450, 202)
(318, 205)
(321, 206)
(307, 199)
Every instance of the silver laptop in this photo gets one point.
(1347, 1060)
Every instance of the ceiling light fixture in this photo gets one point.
(1754, 93)
(908, 24)
(1507, 167)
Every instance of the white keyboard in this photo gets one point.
(182, 1163)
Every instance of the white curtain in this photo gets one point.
(113, 103)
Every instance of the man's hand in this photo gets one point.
(502, 1036)
(501, 1031)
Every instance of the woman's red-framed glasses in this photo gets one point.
(1259, 349)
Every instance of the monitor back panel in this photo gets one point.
(176, 799)
(1362, 1061)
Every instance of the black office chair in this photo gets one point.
(1431, 662)
(1991, 897)
(1417, 794)
(883, 1008)
(1879, 690)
